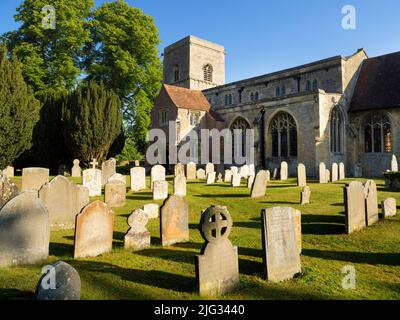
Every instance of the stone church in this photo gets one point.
(340, 109)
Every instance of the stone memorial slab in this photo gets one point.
(342, 172)
(211, 177)
(117, 177)
(394, 165)
(83, 197)
(220, 178)
(209, 168)
(115, 194)
(9, 172)
(92, 180)
(244, 171)
(34, 178)
(76, 170)
(371, 202)
(322, 173)
(138, 237)
(389, 207)
(138, 179)
(284, 171)
(305, 195)
(301, 175)
(8, 190)
(354, 201)
(228, 176)
(157, 174)
(93, 230)
(236, 179)
(260, 185)
(217, 268)
(335, 172)
(152, 210)
(160, 190)
(108, 168)
(179, 170)
(201, 174)
(328, 175)
(235, 170)
(180, 186)
(191, 171)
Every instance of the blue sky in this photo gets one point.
(262, 36)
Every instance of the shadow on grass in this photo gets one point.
(169, 254)
(322, 224)
(282, 202)
(238, 195)
(61, 249)
(140, 196)
(15, 294)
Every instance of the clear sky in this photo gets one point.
(262, 36)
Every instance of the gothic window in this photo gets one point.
(315, 85)
(257, 96)
(243, 125)
(284, 135)
(176, 73)
(308, 86)
(252, 96)
(377, 134)
(336, 130)
(208, 73)
(278, 91)
(228, 99)
(283, 91)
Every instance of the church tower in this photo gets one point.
(194, 63)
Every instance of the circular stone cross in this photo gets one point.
(216, 224)
(138, 218)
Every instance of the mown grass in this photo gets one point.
(169, 273)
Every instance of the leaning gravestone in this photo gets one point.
(138, 237)
(160, 190)
(108, 168)
(322, 173)
(24, 231)
(117, 177)
(281, 254)
(236, 179)
(67, 283)
(259, 185)
(394, 165)
(62, 199)
(157, 174)
(228, 176)
(335, 172)
(115, 194)
(138, 179)
(389, 207)
(371, 202)
(180, 186)
(211, 177)
(34, 178)
(174, 221)
(201, 174)
(191, 171)
(8, 190)
(76, 170)
(217, 268)
(354, 201)
(342, 173)
(305, 195)
(93, 230)
(284, 171)
(209, 168)
(92, 180)
(8, 172)
(179, 170)
(301, 175)
(152, 210)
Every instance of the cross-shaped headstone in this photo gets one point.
(94, 163)
(216, 225)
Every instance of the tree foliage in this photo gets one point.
(18, 110)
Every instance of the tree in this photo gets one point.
(18, 110)
(92, 121)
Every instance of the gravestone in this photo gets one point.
(67, 283)
(389, 207)
(328, 175)
(252, 169)
(335, 172)
(157, 174)
(24, 231)
(62, 198)
(76, 170)
(268, 175)
(284, 171)
(160, 190)
(93, 230)
(354, 201)
(115, 194)
(152, 210)
(259, 185)
(342, 172)
(117, 177)
(8, 190)
(236, 179)
(250, 181)
(174, 221)
(281, 254)
(83, 196)
(371, 203)
(244, 171)
(305, 195)
(92, 180)
(179, 170)
(9, 172)
(180, 186)
(322, 173)
(138, 179)
(217, 268)
(209, 168)
(301, 175)
(201, 174)
(235, 170)
(34, 178)
(394, 165)
(228, 176)
(191, 171)
(138, 237)
(137, 163)
(220, 178)
(108, 168)
(211, 177)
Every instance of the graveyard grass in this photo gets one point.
(169, 273)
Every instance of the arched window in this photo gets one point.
(336, 130)
(252, 96)
(243, 125)
(377, 134)
(308, 86)
(208, 73)
(283, 91)
(278, 91)
(257, 96)
(176, 73)
(284, 135)
(228, 99)
(315, 85)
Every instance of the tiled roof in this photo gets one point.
(187, 98)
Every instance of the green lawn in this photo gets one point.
(169, 273)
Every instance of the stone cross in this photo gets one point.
(94, 164)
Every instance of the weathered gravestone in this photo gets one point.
(201, 174)
(115, 194)
(34, 178)
(179, 170)
(160, 190)
(174, 221)
(301, 175)
(281, 254)
(180, 186)
(24, 231)
(209, 168)
(92, 180)
(371, 203)
(93, 230)
(268, 175)
(354, 201)
(217, 268)
(335, 172)
(138, 179)
(211, 177)
(235, 170)
(342, 172)
(108, 168)
(394, 165)
(76, 170)
(259, 187)
(228, 176)
(152, 210)
(67, 283)
(63, 200)
(191, 171)
(305, 195)
(138, 237)
(328, 175)
(236, 179)
(8, 172)
(322, 173)
(157, 174)
(244, 171)
(117, 177)
(8, 190)
(250, 180)
(220, 178)
(284, 171)
(389, 207)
